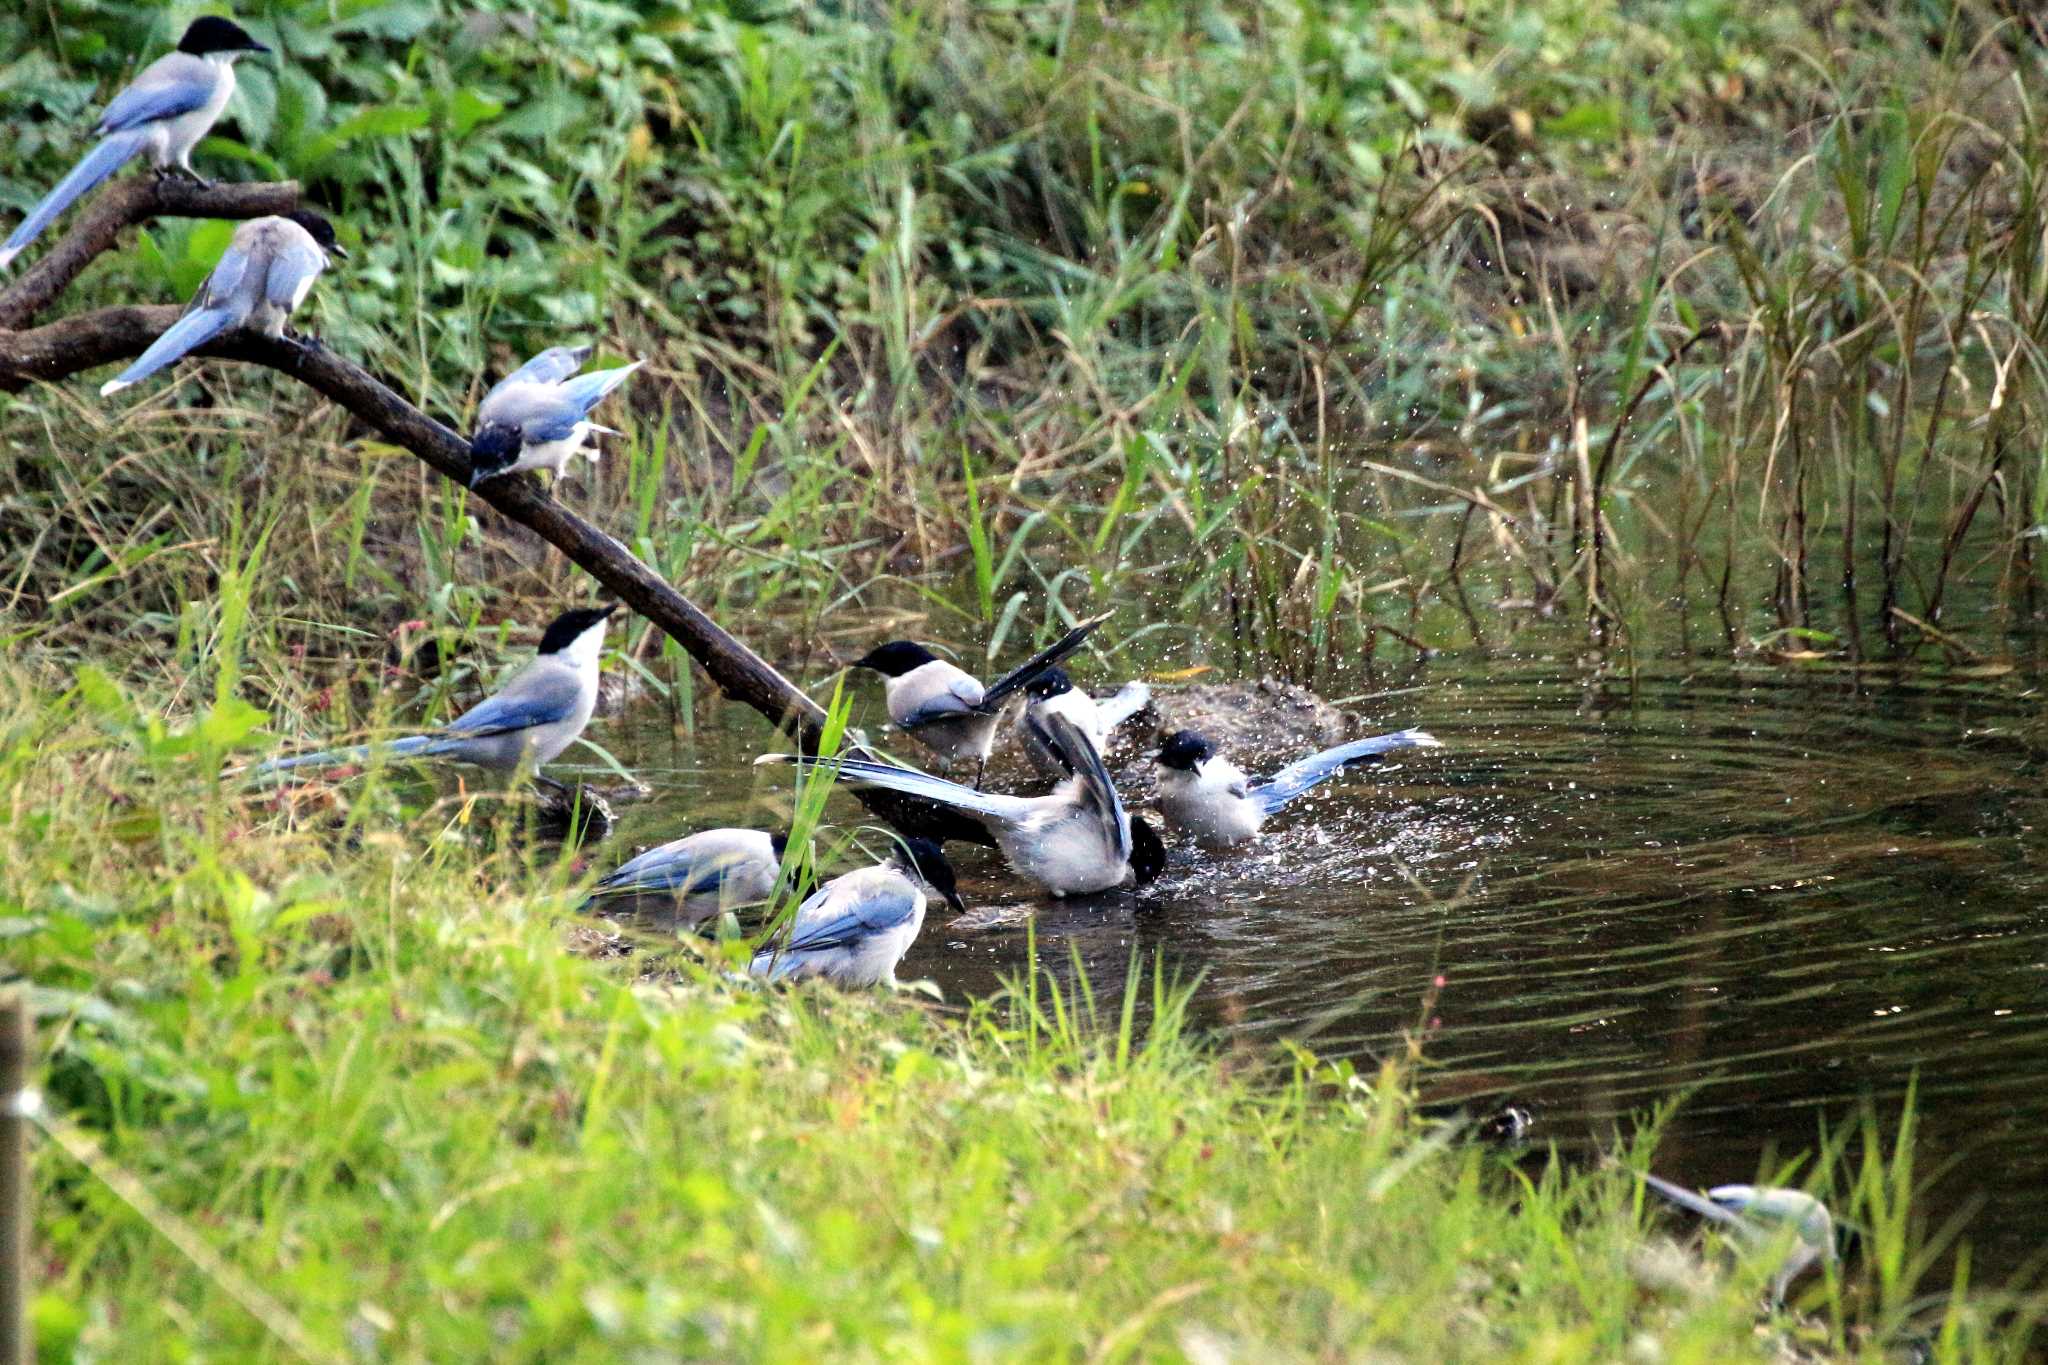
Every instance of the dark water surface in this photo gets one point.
(1783, 893)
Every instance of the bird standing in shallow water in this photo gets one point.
(1206, 795)
(164, 111)
(1075, 841)
(530, 720)
(259, 281)
(855, 928)
(705, 873)
(944, 707)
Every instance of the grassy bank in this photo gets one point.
(366, 1066)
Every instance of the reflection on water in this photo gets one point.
(1780, 893)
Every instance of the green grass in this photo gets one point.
(370, 1059)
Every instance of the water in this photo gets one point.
(1781, 895)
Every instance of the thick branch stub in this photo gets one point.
(126, 203)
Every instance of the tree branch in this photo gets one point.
(123, 204)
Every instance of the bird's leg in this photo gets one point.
(980, 770)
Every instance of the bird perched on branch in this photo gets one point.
(705, 873)
(1053, 691)
(528, 721)
(946, 708)
(855, 928)
(1076, 841)
(537, 417)
(1759, 1215)
(1206, 795)
(260, 280)
(165, 111)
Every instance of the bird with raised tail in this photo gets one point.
(855, 928)
(260, 280)
(538, 416)
(526, 723)
(1205, 795)
(703, 874)
(1053, 691)
(1760, 1216)
(1075, 841)
(947, 709)
(163, 113)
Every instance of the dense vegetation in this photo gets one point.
(1298, 332)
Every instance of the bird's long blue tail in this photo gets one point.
(587, 390)
(1297, 778)
(1695, 1203)
(185, 335)
(97, 164)
(415, 746)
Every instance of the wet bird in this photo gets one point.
(527, 722)
(163, 112)
(1759, 1216)
(1053, 691)
(946, 708)
(1206, 795)
(538, 416)
(705, 873)
(1075, 841)
(263, 276)
(855, 928)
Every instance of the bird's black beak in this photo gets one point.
(604, 612)
(255, 46)
(953, 899)
(477, 476)
(338, 250)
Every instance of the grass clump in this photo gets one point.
(362, 1065)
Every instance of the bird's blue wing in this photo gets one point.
(292, 272)
(963, 697)
(872, 914)
(165, 89)
(509, 711)
(551, 366)
(1296, 778)
(1079, 754)
(229, 273)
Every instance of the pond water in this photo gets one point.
(1780, 894)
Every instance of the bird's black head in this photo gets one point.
(925, 860)
(1184, 749)
(493, 450)
(565, 629)
(320, 230)
(896, 658)
(210, 33)
(1049, 684)
(779, 841)
(1148, 852)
